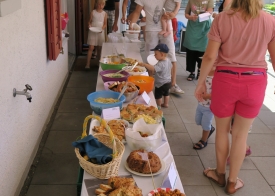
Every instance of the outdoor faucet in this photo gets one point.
(24, 92)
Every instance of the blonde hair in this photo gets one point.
(99, 2)
(249, 8)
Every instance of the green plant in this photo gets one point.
(270, 7)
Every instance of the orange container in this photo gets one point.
(145, 83)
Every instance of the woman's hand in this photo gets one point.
(200, 92)
(214, 14)
(141, 64)
(123, 19)
(194, 17)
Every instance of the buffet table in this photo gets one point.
(164, 152)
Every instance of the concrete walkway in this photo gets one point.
(56, 169)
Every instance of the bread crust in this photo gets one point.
(136, 163)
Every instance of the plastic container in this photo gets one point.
(128, 95)
(145, 83)
(142, 70)
(97, 107)
(106, 79)
(112, 63)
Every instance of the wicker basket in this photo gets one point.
(107, 170)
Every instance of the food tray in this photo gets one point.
(95, 122)
(93, 184)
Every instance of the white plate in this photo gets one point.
(142, 24)
(95, 122)
(95, 29)
(127, 68)
(151, 59)
(162, 169)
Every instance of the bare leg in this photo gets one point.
(166, 101)
(89, 56)
(238, 146)
(222, 145)
(143, 31)
(168, 30)
(164, 26)
(173, 73)
(204, 137)
(159, 102)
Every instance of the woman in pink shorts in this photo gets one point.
(241, 37)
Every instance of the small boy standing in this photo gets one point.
(162, 71)
(204, 116)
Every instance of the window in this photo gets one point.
(183, 4)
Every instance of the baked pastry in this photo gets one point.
(100, 191)
(105, 187)
(137, 164)
(127, 191)
(117, 182)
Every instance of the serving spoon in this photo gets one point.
(123, 90)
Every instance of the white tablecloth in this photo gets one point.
(164, 152)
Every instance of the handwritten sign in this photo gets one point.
(170, 178)
(144, 99)
(111, 113)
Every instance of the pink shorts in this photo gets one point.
(236, 91)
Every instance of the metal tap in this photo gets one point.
(24, 92)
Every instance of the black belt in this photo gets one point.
(242, 73)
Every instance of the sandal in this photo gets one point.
(191, 77)
(221, 177)
(230, 186)
(211, 131)
(201, 144)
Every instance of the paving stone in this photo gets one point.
(199, 190)
(56, 169)
(61, 141)
(180, 144)
(190, 170)
(262, 144)
(75, 105)
(78, 93)
(52, 190)
(173, 123)
(266, 167)
(69, 121)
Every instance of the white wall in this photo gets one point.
(23, 59)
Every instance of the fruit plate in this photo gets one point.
(151, 193)
(162, 169)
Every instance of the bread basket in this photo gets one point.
(107, 170)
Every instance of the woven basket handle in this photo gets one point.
(104, 123)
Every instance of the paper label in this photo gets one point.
(143, 99)
(111, 113)
(171, 177)
(145, 74)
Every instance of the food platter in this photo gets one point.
(93, 184)
(167, 190)
(162, 169)
(133, 112)
(95, 123)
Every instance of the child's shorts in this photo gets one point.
(238, 90)
(204, 117)
(162, 91)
